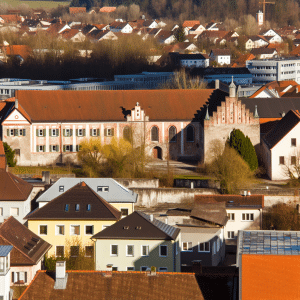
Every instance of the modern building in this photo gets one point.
(280, 69)
(5, 292)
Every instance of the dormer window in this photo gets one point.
(67, 206)
(61, 188)
(102, 189)
(77, 207)
(88, 207)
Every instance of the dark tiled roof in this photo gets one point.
(13, 188)
(217, 52)
(79, 194)
(284, 126)
(138, 226)
(232, 201)
(113, 105)
(28, 247)
(122, 285)
(271, 107)
(259, 51)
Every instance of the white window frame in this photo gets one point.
(148, 250)
(127, 254)
(123, 216)
(53, 148)
(68, 148)
(80, 131)
(67, 132)
(56, 249)
(94, 131)
(103, 189)
(18, 211)
(40, 132)
(40, 229)
(160, 246)
(53, 132)
(111, 254)
(11, 132)
(109, 131)
(187, 247)
(73, 234)
(57, 229)
(85, 226)
(41, 148)
(230, 235)
(246, 217)
(61, 188)
(78, 250)
(163, 269)
(144, 267)
(229, 215)
(205, 243)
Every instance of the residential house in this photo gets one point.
(280, 149)
(27, 255)
(165, 37)
(256, 41)
(101, 35)
(241, 61)
(15, 193)
(138, 242)
(95, 285)
(107, 9)
(272, 36)
(197, 29)
(73, 35)
(264, 53)
(212, 26)
(243, 212)
(122, 27)
(70, 220)
(221, 56)
(190, 60)
(5, 292)
(268, 263)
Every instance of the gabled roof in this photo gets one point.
(28, 248)
(282, 128)
(190, 23)
(77, 10)
(217, 52)
(13, 188)
(23, 50)
(86, 106)
(108, 9)
(93, 285)
(261, 51)
(79, 194)
(117, 193)
(136, 226)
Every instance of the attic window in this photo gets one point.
(126, 227)
(88, 207)
(67, 207)
(102, 189)
(77, 207)
(61, 188)
(138, 227)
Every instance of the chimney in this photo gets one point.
(249, 193)
(151, 218)
(245, 193)
(16, 104)
(217, 84)
(61, 277)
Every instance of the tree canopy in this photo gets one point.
(10, 155)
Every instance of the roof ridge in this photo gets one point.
(14, 182)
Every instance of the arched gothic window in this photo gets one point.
(127, 134)
(190, 134)
(154, 134)
(172, 134)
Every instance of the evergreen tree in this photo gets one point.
(242, 144)
(10, 155)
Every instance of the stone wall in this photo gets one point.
(138, 182)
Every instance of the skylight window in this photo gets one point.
(67, 207)
(61, 188)
(77, 207)
(88, 207)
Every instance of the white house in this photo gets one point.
(123, 27)
(193, 60)
(5, 292)
(281, 148)
(221, 56)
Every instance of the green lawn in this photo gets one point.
(37, 171)
(37, 4)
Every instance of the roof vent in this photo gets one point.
(126, 227)
(151, 218)
(249, 193)
(245, 193)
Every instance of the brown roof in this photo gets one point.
(138, 225)
(10, 18)
(77, 10)
(190, 23)
(13, 188)
(22, 50)
(283, 127)
(234, 201)
(108, 9)
(260, 51)
(69, 33)
(79, 194)
(217, 52)
(113, 105)
(28, 249)
(93, 285)
(2, 157)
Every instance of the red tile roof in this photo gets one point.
(108, 9)
(113, 105)
(190, 23)
(77, 10)
(23, 50)
(93, 285)
(10, 18)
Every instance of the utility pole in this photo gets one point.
(264, 8)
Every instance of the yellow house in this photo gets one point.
(71, 219)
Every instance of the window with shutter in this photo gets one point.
(16, 132)
(57, 132)
(98, 132)
(44, 132)
(8, 132)
(24, 132)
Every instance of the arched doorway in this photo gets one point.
(157, 152)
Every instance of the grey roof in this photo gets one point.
(4, 250)
(269, 242)
(117, 192)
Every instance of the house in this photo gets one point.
(20, 51)
(112, 285)
(279, 147)
(107, 9)
(27, 255)
(256, 41)
(122, 27)
(221, 56)
(101, 35)
(190, 60)
(138, 242)
(243, 212)
(264, 53)
(272, 36)
(5, 292)
(73, 35)
(268, 262)
(165, 37)
(197, 29)
(70, 220)
(77, 10)
(15, 193)
(107, 188)
(240, 62)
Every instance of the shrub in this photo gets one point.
(10, 155)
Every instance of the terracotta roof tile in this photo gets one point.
(22, 50)
(108, 9)
(77, 10)
(190, 23)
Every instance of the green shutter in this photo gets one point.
(37, 148)
(98, 132)
(57, 148)
(44, 132)
(64, 148)
(105, 132)
(91, 132)
(24, 132)
(16, 132)
(77, 148)
(112, 131)
(76, 132)
(83, 132)
(64, 132)
(71, 132)
(44, 148)
(50, 132)
(37, 132)
(50, 148)
(57, 132)
(71, 148)
(8, 132)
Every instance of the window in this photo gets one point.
(102, 189)
(75, 230)
(22, 132)
(40, 148)
(144, 268)
(113, 250)
(145, 250)
(154, 134)
(203, 247)
(74, 251)
(40, 132)
(130, 268)
(77, 206)
(163, 250)
(109, 132)
(281, 160)
(1, 211)
(130, 250)
(114, 268)
(94, 132)
(61, 189)
(54, 132)
(54, 148)
(231, 216)
(89, 229)
(172, 134)
(67, 206)
(230, 234)
(68, 148)
(43, 229)
(14, 211)
(18, 277)
(293, 160)
(60, 251)
(60, 230)
(127, 135)
(190, 134)
(187, 246)
(124, 212)
(67, 132)
(163, 269)
(89, 251)
(88, 207)
(80, 132)
(248, 217)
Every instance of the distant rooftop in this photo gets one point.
(263, 242)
